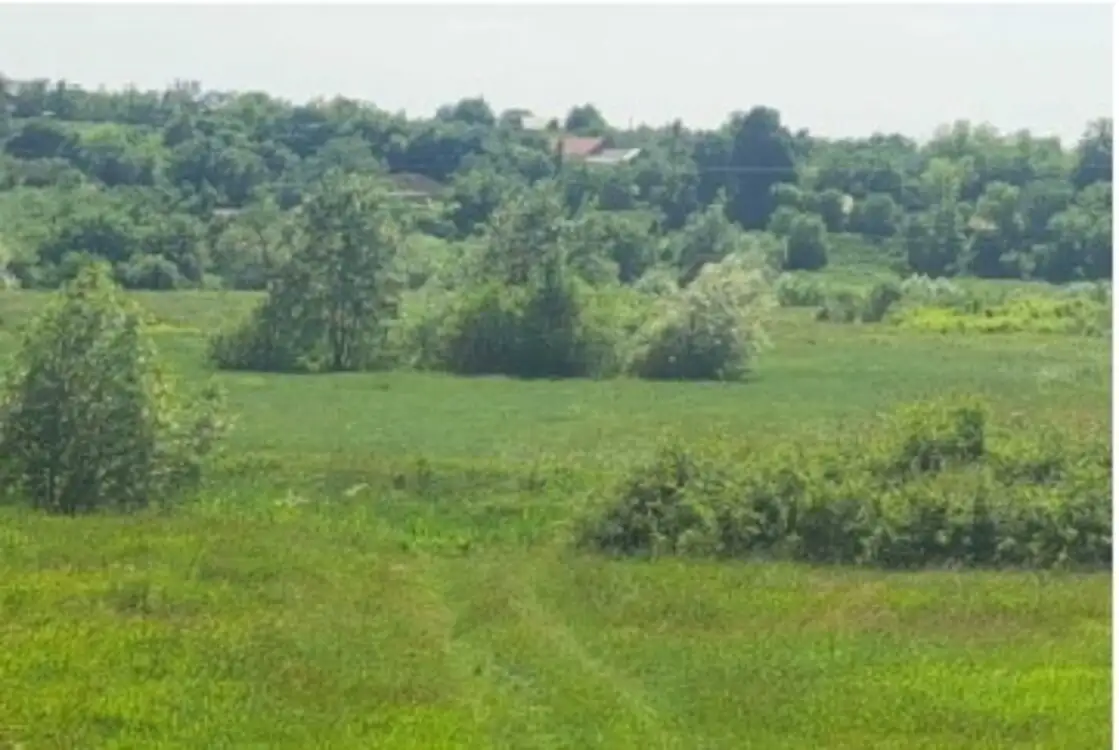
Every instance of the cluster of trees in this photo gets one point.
(532, 297)
(184, 187)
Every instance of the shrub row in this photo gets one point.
(929, 487)
(1079, 316)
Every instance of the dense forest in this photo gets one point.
(189, 188)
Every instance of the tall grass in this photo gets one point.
(383, 560)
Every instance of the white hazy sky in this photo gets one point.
(837, 70)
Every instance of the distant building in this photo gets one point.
(592, 150)
(614, 156)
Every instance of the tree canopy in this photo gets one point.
(187, 188)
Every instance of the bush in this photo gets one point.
(659, 510)
(806, 246)
(926, 489)
(658, 281)
(277, 337)
(924, 290)
(1077, 316)
(151, 272)
(794, 290)
(710, 330)
(842, 307)
(87, 419)
(847, 306)
(537, 330)
(879, 301)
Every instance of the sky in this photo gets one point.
(840, 71)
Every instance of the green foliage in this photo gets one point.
(1071, 315)
(879, 300)
(936, 292)
(88, 420)
(843, 306)
(929, 489)
(159, 174)
(713, 329)
(534, 330)
(329, 306)
(876, 216)
(708, 237)
(806, 246)
(799, 290)
(763, 157)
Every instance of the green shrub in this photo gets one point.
(88, 420)
(941, 291)
(879, 301)
(538, 330)
(1079, 316)
(658, 281)
(277, 337)
(844, 306)
(710, 330)
(806, 243)
(795, 290)
(660, 509)
(927, 489)
(936, 435)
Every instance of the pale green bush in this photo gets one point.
(711, 330)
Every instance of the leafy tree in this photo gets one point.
(6, 107)
(806, 247)
(935, 240)
(832, 206)
(475, 196)
(330, 303)
(88, 420)
(522, 231)
(1081, 241)
(350, 154)
(40, 139)
(781, 222)
(1093, 155)
(788, 195)
(250, 249)
(669, 184)
(1041, 201)
(232, 170)
(711, 330)
(469, 112)
(623, 239)
(876, 216)
(761, 157)
(998, 233)
(586, 120)
(117, 156)
(708, 237)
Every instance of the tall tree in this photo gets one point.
(1093, 155)
(761, 157)
(586, 120)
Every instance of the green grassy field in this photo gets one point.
(381, 561)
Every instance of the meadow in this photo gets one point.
(384, 560)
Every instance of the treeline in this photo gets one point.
(182, 188)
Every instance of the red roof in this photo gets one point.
(579, 146)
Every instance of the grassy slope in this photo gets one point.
(267, 616)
